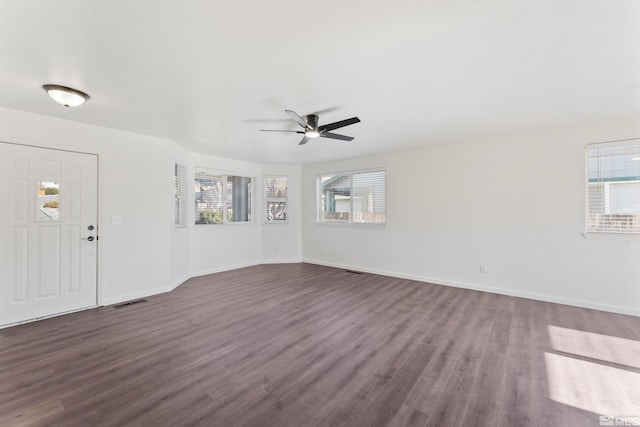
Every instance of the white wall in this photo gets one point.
(133, 181)
(514, 205)
(146, 253)
(218, 247)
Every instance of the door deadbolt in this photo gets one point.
(91, 227)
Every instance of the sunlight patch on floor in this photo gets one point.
(594, 372)
(596, 346)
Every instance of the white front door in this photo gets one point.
(48, 232)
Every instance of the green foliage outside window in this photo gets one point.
(209, 216)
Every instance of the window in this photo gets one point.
(48, 201)
(276, 199)
(222, 198)
(180, 195)
(352, 198)
(613, 187)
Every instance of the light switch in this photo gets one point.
(116, 219)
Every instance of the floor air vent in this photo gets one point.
(128, 303)
(353, 272)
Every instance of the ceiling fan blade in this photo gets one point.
(277, 130)
(299, 120)
(340, 124)
(304, 140)
(336, 136)
(267, 120)
(326, 110)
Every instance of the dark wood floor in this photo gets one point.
(305, 345)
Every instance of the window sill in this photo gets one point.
(225, 223)
(351, 225)
(610, 236)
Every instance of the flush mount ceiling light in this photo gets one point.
(65, 95)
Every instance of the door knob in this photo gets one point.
(90, 238)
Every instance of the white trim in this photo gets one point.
(226, 223)
(609, 144)
(55, 148)
(356, 225)
(141, 294)
(180, 281)
(425, 279)
(596, 235)
(500, 291)
(22, 322)
(226, 268)
(282, 261)
(352, 171)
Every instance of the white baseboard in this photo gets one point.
(500, 291)
(225, 268)
(436, 281)
(180, 281)
(419, 278)
(282, 261)
(137, 295)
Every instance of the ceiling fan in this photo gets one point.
(312, 130)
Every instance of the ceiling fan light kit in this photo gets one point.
(312, 130)
(66, 96)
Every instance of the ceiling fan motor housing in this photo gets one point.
(312, 121)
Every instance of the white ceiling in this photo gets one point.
(208, 74)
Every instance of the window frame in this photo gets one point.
(590, 232)
(349, 222)
(224, 176)
(266, 200)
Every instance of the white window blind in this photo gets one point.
(352, 197)
(368, 199)
(180, 195)
(613, 187)
(276, 199)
